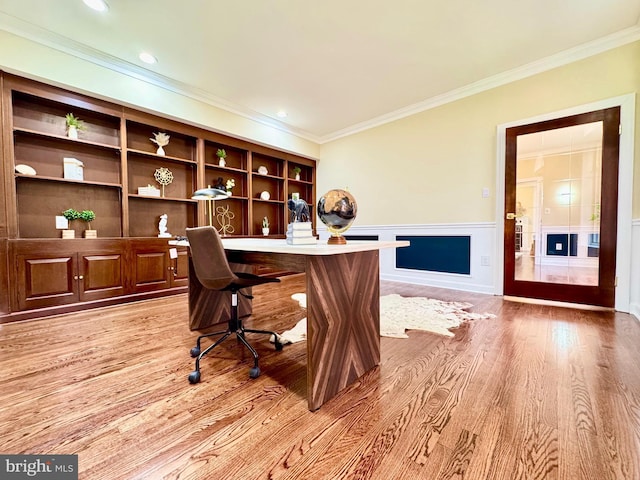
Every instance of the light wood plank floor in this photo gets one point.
(537, 393)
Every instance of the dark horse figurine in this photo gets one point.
(299, 210)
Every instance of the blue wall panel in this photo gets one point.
(436, 253)
(561, 244)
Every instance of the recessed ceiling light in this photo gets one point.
(147, 58)
(98, 5)
(282, 114)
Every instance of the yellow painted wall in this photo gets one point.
(431, 167)
(426, 168)
(24, 57)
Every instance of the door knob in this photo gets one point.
(511, 216)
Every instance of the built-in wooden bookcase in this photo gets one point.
(142, 162)
(127, 260)
(41, 143)
(305, 187)
(268, 194)
(233, 212)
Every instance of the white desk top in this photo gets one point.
(269, 245)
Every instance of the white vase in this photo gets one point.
(222, 162)
(72, 132)
(265, 231)
(160, 151)
(297, 176)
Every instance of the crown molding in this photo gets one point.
(64, 44)
(566, 57)
(61, 43)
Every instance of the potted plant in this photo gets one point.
(221, 154)
(74, 124)
(88, 216)
(296, 171)
(265, 226)
(70, 214)
(230, 184)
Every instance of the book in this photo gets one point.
(299, 226)
(301, 240)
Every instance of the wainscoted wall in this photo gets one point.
(481, 263)
(484, 266)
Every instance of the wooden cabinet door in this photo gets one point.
(180, 272)
(151, 268)
(102, 275)
(46, 280)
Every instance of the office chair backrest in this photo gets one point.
(208, 258)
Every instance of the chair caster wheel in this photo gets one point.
(254, 372)
(194, 377)
(279, 346)
(195, 351)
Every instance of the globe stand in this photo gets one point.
(337, 240)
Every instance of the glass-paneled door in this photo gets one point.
(561, 209)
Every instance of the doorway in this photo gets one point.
(561, 208)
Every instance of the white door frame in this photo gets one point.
(625, 190)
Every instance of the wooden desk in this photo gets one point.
(343, 305)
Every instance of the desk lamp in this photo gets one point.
(210, 194)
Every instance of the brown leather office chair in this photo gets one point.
(213, 271)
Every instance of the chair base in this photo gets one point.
(235, 326)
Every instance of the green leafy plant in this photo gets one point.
(221, 153)
(73, 121)
(265, 222)
(70, 214)
(88, 216)
(297, 170)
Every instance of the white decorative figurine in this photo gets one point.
(162, 227)
(161, 139)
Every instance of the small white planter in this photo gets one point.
(72, 132)
(265, 231)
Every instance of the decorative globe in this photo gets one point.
(337, 209)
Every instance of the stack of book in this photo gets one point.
(300, 233)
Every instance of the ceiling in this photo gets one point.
(335, 66)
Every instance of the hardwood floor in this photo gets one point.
(537, 393)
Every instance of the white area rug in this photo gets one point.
(398, 314)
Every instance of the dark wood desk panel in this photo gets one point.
(343, 307)
(343, 322)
